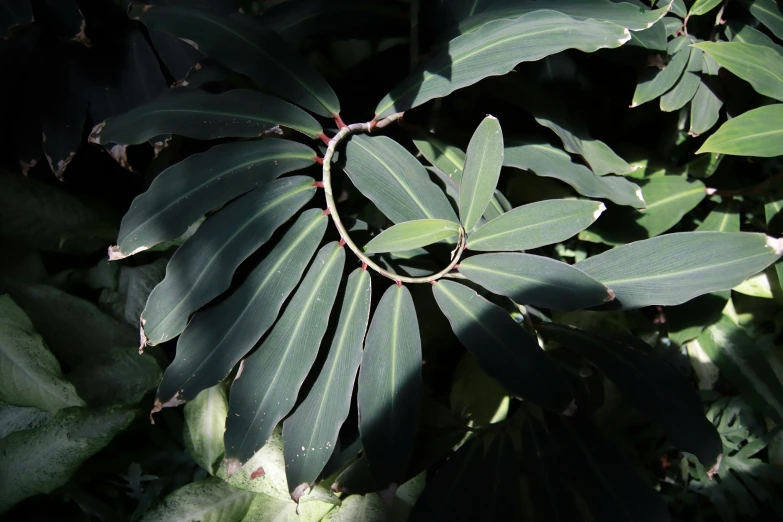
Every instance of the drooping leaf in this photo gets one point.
(208, 499)
(768, 13)
(29, 373)
(218, 337)
(283, 360)
(686, 86)
(389, 387)
(651, 384)
(248, 48)
(757, 132)
(483, 161)
(205, 422)
(545, 160)
(701, 7)
(42, 459)
(747, 34)
(317, 421)
(18, 418)
(495, 49)
(535, 225)
(675, 268)
(202, 268)
(412, 234)
(503, 349)
(655, 82)
(740, 360)
(759, 65)
(535, 280)
(197, 114)
(723, 218)
(394, 180)
(186, 191)
(706, 103)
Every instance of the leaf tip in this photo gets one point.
(232, 466)
(300, 490)
(94, 133)
(599, 211)
(776, 244)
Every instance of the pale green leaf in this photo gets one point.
(495, 49)
(535, 225)
(706, 103)
(208, 500)
(265, 508)
(701, 7)
(724, 218)
(29, 373)
(675, 268)
(441, 154)
(759, 285)
(768, 13)
(483, 161)
(205, 422)
(686, 86)
(412, 234)
(759, 65)
(18, 418)
(390, 387)
(758, 132)
(655, 82)
(263, 473)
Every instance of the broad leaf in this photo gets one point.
(759, 65)
(655, 82)
(747, 34)
(443, 155)
(412, 234)
(535, 225)
(701, 7)
(483, 161)
(18, 418)
(283, 360)
(675, 268)
(29, 373)
(687, 85)
(495, 49)
(205, 423)
(653, 39)
(724, 218)
(535, 280)
(317, 421)
(247, 48)
(202, 268)
(503, 349)
(389, 387)
(768, 13)
(545, 160)
(43, 459)
(218, 337)
(476, 398)
(186, 191)
(757, 132)
(265, 508)
(650, 384)
(197, 114)
(209, 499)
(394, 180)
(706, 103)
(263, 473)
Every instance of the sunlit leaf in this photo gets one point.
(483, 161)
(724, 218)
(445, 156)
(655, 82)
(686, 86)
(208, 499)
(701, 7)
(412, 234)
(759, 65)
(202, 268)
(757, 132)
(205, 422)
(706, 103)
(389, 386)
(283, 360)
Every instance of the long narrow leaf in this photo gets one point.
(482, 171)
(412, 234)
(655, 82)
(758, 132)
(768, 13)
(760, 66)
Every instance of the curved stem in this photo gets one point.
(332, 207)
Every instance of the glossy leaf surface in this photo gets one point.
(412, 234)
(701, 7)
(202, 268)
(757, 132)
(483, 161)
(535, 280)
(390, 387)
(503, 349)
(675, 268)
(283, 360)
(759, 65)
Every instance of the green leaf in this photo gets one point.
(283, 360)
(18, 418)
(367, 508)
(263, 473)
(650, 384)
(197, 114)
(249, 48)
(747, 34)
(482, 171)
(265, 508)
(653, 39)
(757, 132)
(495, 49)
(701, 7)
(476, 398)
(686, 86)
(412, 234)
(441, 154)
(389, 387)
(205, 423)
(29, 373)
(218, 337)
(675, 268)
(394, 180)
(503, 349)
(686, 321)
(723, 218)
(759, 65)
(535, 280)
(768, 13)
(500, 496)
(202, 268)
(316, 422)
(42, 459)
(209, 499)
(545, 160)
(186, 191)
(535, 225)
(655, 82)
(706, 103)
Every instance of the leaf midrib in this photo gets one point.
(518, 229)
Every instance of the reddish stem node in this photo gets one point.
(339, 121)
(399, 283)
(326, 139)
(456, 267)
(364, 266)
(373, 123)
(319, 160)
(433, 283)
(326, 212)
(318, 184)
(342, 242)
